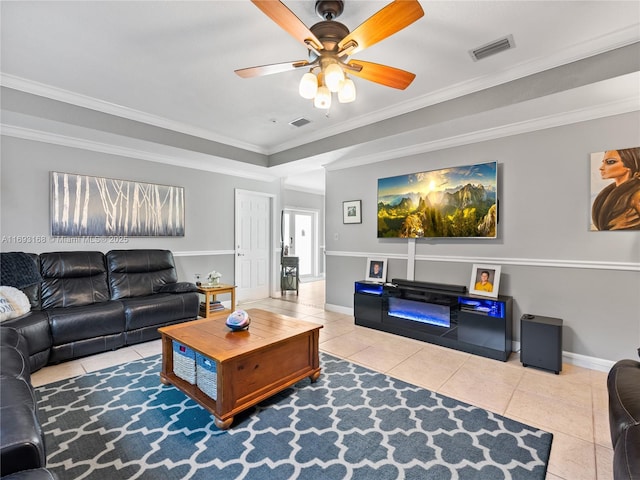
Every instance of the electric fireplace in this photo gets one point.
(437, 313)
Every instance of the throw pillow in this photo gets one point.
(18, 269)
(13, 303)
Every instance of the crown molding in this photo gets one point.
(581, 51)
(84, 144)
(617, 107)
(66, 96)
(303, 189)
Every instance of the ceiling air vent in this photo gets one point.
(300, 122)
(492, 48)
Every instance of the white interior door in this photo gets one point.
(253, 234)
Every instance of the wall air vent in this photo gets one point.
(492, 48)
(300, 122)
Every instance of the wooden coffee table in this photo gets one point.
(276, 352)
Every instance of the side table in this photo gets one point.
(210, 293)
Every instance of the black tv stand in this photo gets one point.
(441, 314)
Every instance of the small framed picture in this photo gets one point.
(352, 211)
(376, 270)
(485, 280)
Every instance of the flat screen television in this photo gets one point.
(451, 202)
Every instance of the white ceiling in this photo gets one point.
(171, 64)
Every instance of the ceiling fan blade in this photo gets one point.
(270, 69)
(391, 19)
(288, 21)
(382, 74)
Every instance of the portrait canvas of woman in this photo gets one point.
(615, 190)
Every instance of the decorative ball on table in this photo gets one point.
(238, 320)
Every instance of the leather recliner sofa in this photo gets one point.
(90, 302)
(623, 385)
(85, 303)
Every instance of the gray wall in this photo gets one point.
(208, 243)
(552, 264)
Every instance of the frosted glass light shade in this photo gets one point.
(308, 86)
(323, 98)
(333, 76)
(347, 92)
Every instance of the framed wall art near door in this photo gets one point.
(352, 211)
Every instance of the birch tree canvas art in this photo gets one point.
(95, 206)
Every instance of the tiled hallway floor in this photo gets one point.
(572, 405)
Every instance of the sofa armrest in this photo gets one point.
(626, 465)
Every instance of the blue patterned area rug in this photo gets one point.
(352, 423)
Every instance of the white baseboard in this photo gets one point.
(584, 361)
(592, 363)
(338, 309)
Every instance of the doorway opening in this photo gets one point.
(300, 239)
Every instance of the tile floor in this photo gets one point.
(572, 405)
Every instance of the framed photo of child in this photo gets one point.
(376, 270)
(485, 280)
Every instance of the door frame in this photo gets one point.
(315, 247)
(271, 233)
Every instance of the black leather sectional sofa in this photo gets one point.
(22, 440)
(623, 385)
(85, 303)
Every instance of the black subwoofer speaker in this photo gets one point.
(541, 342)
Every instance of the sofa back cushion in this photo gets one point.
(136, 273)
(72, 279)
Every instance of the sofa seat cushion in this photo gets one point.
(159, 309)
(91, 321)
(22, 445)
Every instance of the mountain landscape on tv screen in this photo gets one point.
(454, 202)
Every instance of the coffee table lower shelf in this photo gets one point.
(224, 420)
(251, 366)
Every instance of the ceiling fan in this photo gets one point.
(330, 44)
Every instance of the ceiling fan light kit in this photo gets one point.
(329, 43)
(347, 92)
(308, 86)
(333, 76)
(323, 98)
